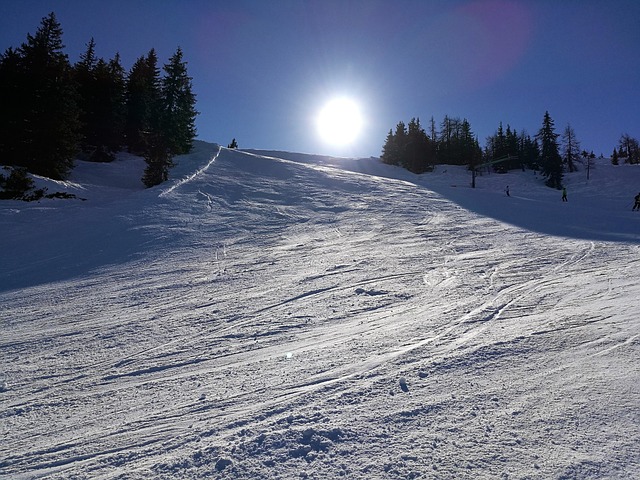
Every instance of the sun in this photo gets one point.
(339, 122)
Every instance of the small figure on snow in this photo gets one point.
(636, 206)
(564, 194)
(507, 191)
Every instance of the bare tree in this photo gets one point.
(630, 149)
(570, 149)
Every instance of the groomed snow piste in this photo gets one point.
(281, 316)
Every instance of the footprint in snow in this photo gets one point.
(403, 384)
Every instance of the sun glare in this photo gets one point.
(339, 122)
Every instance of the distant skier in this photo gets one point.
(507, 191)
(564, 195)
(637, 204)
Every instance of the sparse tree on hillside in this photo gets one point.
(570, 149)
(433, 133)
(550, 159)
(614, 157)
(588, 160)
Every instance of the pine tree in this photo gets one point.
(101, 89)
(393, 149)
(143, 103)
(12, 110)
(158, 158)
(390, 154)
(512, 149)
(16, 184)
(570, 149)
(416, 155)
(471, 153)
(500, 143)
(433, 133)
(178, 105)
(49, 103)
(528, 151)
(550, 159)
(108, 111)
(84, 76)
(496, 145)
(112, 80)
(446, 145)
(400, 136)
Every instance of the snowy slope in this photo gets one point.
(279, 315)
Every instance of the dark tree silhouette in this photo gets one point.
(44, 104)
(12, 110)
(570, 149)
(550, 159)
(143, 103)
(178, 106)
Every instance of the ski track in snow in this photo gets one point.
(291, 316)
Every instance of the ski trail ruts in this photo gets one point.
(342, 374)
(329, 379)
(627, 341)
(360, 369)
(230, 325)
(191, 177)
(167, 373)
(515, 291)
(338, 288)
(239, 320)
(171, 429)
(227, 410)
(487, 311)
(345, 373)
(286, 391)
(75, 453)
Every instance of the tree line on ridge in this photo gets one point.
(53, 111)
(454, 143)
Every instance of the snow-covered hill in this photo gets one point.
(279, 315)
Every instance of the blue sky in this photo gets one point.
(263, 69)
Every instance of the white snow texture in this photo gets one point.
(272, 315)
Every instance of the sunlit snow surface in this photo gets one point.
(282, 316)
